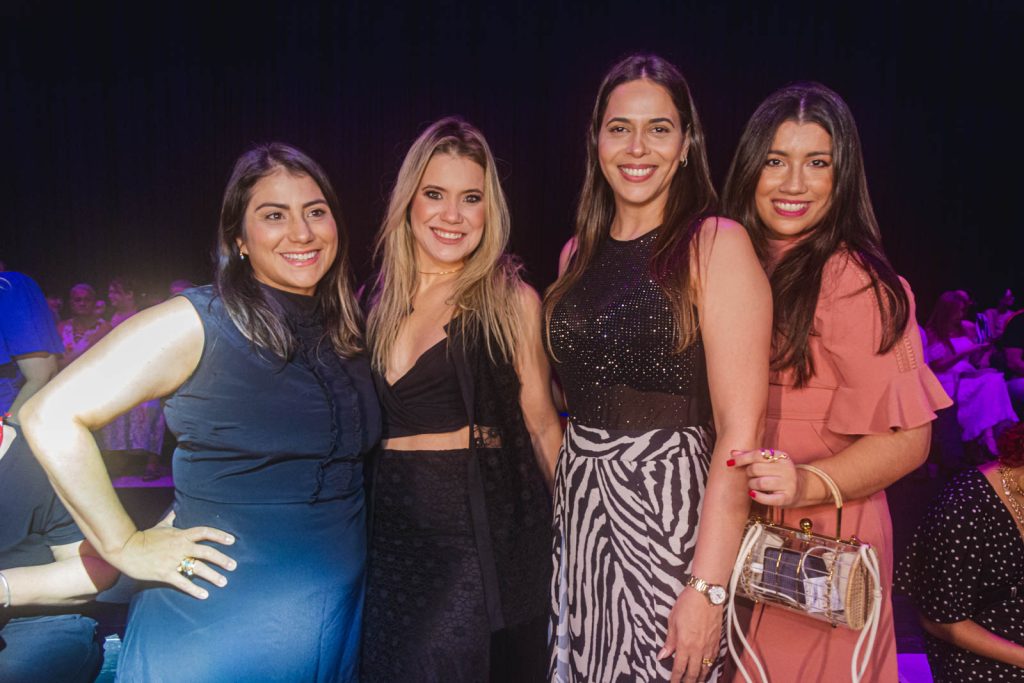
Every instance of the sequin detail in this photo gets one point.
(613, 339)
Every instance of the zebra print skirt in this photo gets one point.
(626, 512)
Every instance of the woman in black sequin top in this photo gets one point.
(659, 330)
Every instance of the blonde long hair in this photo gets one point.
(485, 295)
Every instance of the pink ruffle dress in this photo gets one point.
(854, 391)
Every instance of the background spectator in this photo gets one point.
(140, 431)
(998, 317)
(982, 401)
(29, 345)
(47, 568)
(84, 328)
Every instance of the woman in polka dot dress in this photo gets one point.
(965, 571)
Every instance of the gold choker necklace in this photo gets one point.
(441, 272)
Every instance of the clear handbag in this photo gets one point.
(827, 578)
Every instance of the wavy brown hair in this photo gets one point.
(256, 315)
(849, 224)
(691, 197)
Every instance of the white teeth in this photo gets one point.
(637, 172)
(447, 235)
(306, 256)
(792, 206)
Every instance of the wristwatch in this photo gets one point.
(714, 593)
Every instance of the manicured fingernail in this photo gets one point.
(663, 653)
(730, 462)
(231, 539)
(203, 595)
(222, 582)
(735, 452)
(753, 494)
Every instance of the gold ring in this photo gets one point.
(707, 662)
(766, 453)
(187, 567)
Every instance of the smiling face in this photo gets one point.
(794, 190)
(289, 234)
(447, 213)
(641, 145)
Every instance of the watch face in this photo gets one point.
(717, 595)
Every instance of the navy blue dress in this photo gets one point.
(271, 452)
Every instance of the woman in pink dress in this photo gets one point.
(849, 389)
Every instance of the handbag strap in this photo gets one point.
(833, 488)
(829, 482)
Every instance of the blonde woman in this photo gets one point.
(460, 530)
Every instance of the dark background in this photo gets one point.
(122, 121)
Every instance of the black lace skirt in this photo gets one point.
(425, 616)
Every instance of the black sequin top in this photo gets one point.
(612, 339)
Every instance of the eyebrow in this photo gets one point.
(625, 119)
(809, 154)
(275, 205)
(438, 187)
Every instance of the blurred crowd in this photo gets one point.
(44, 333)
(976, 354)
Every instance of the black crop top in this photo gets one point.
(426, 399)
(612, 337)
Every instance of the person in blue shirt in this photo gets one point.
(29, 343)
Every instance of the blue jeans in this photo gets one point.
(55, 648)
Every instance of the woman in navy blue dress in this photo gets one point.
(260, 575)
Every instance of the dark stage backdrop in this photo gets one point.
(122, 121)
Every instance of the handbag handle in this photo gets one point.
(837, 497)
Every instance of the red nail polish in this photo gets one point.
(730, 462)
(753, 494)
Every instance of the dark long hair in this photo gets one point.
(848, 224)
(256, 316)
(691, 197)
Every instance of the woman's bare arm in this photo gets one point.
(147, 356)
(973, 637)
(734, 305)
(75, 576)
(535, 397)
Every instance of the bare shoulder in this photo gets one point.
(176, 313)
(528, 299)
(721, 238)
(718, 231)
(566, 255)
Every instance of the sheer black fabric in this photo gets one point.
(613, 339)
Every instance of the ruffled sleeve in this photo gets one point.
(877, 392)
